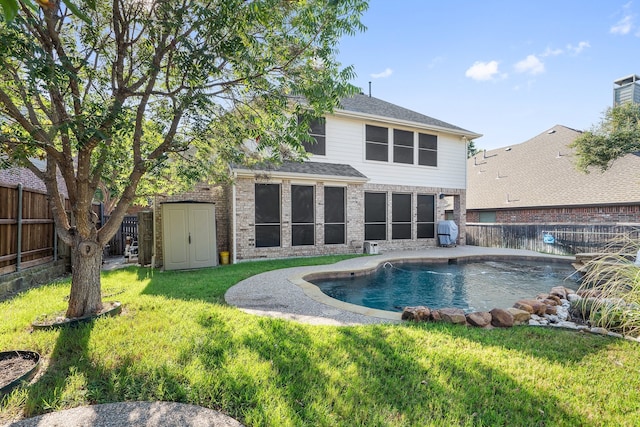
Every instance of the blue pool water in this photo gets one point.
(472, 286)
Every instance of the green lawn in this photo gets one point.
(177, 340)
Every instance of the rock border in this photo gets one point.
(550, 310)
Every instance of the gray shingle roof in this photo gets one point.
(541, 173)
(369, 105)
(313, 168)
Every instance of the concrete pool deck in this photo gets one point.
(285, 294)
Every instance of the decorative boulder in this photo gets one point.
(453, 315)
(480, 319)
(417, 314)
(501, 318)
(520, 305)
(436, 316)
(538, 306)
(552, 309)
(520, 317)
(551, 301)
(559, 291)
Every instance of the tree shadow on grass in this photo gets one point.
(360, 379)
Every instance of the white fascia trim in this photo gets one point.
(248, 173)
(408, 123)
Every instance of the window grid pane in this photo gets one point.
(377, 143)
(427, 150)
(426, 216)
(375, 216)
(267, 215)
(302, 215)
(334, 215)
(400, 216)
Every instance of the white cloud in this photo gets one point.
(386, 73)
(531, 64)
(552, 52)
(482, 71)
(625, 24)
(577, 49)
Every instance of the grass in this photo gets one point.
(176, 340)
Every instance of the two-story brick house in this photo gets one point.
(377, 172)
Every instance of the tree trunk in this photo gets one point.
(86, 262)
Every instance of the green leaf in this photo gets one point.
(10, 9)
(77, 11)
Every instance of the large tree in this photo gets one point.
(141, 95)
(617, 134)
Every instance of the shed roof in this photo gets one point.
(541, 172)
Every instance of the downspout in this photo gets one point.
(234, 219)
(19, 220)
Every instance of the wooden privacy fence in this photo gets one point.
(128, 228)
(27, 233)
(560, 239)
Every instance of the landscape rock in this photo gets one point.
(551, 309)
(599, 331)
(519, 305)
(520, 317)
(453, 315)
(559, 291)
(419, 313)
(435, 315)
(501, 318)
(538, 307)
(534, 323)
(479, 319)
(573, 298)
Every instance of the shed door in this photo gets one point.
(189, 235)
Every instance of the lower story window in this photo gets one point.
(334, 215)
(302, 215)
(267, 215)
(375, 216)
(426, 216)
(400, 216)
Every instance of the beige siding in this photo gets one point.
(346, 144)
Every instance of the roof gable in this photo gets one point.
(369, 105)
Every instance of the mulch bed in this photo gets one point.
(14, 367)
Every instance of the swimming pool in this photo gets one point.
(471, 286)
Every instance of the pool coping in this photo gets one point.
(285, 294)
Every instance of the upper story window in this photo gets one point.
(377, 143)
(402, 146)
(427, 149)
(317, 131)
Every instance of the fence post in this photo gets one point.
(19, 242)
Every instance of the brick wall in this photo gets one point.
(245, 215)
(570, 215)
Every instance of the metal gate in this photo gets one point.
(128, 228)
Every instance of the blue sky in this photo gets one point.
(506, 69)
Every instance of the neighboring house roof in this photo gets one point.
(541, 172)
(370, 106)
(21, 175)
(288, 169)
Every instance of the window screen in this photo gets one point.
(402, 146)
(317, 130)
(426, 216)
(377, 143)
(334, 215)
(427, 149)
(375, 216)
(267, 215)
(302, 215)
(401, 216)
